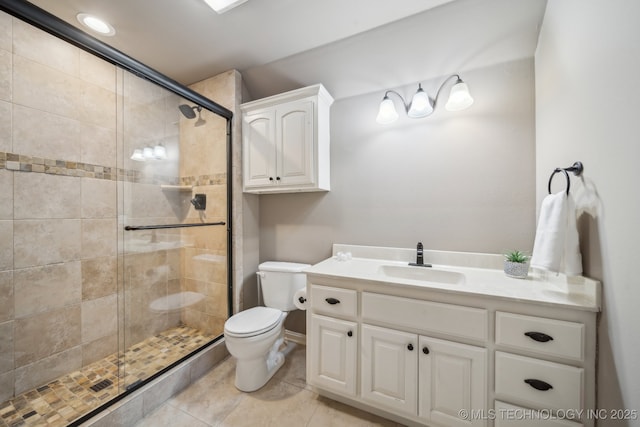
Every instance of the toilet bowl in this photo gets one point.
(255, 337)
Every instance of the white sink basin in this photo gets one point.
(427, 274)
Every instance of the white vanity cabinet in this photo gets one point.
(441, 355)
(285, 142)
(380, 350)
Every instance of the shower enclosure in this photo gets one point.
(114, 222)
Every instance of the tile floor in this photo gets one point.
(67, 398)
(286, 400)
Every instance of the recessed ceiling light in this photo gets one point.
(222, 6)
(96, 24)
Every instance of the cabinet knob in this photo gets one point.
(425, 350)
(277, 178)
(332, 301)
(410, 347)
(270, 178)
(350, 334)
(538, 384)
(302, 300)
(539, 336)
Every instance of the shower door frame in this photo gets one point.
(53, 25)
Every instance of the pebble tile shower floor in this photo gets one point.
(69, 397)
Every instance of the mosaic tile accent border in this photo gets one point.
(21, 163)
(67, 398)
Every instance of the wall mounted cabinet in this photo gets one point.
(285, 142)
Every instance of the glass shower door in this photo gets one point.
(172, 217)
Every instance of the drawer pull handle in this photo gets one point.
(425, 350)
(302, 300)
(410, 347)
(538, 384)
(539, 336)
(332, 301)
(350, 334)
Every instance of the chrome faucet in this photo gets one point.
(419, 257)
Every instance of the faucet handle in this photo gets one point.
(419, 246)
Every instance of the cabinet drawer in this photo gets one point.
(425, 316)
(521, 379)
(510, 415)
(334, 301)
(544, 336)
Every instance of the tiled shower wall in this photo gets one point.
(58, 242)
(73, 286)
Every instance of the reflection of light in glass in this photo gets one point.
(148, 152)
(138, 155)
(159, 152)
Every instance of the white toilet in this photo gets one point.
(254, 336)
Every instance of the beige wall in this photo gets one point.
(455, 181)
(587, 109)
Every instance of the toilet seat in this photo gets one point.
(252, 322)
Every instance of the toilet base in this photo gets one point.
(251, 375)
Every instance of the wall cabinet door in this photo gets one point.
(333, 351)
(453, 377)
(294, 143)
(259, 157)
(285, 142)
(389, 368)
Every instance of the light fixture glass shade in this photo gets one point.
(387, 112)
(147, 152)
(159, 152)
(421, 105)
(459, 98)
(137, 155)
(221, 6)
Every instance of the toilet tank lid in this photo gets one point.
(289, 267)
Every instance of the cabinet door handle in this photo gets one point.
(539, 336)
(332, 301)
(410, 347)
(302, 300)
(350, 334)
(270, 178)
(538, 384)
(277, 178)
(425, 350)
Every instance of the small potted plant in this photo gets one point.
(516, 264)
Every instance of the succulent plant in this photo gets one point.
(516, 256)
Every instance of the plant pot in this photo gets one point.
(517, 270)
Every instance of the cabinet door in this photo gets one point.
(390, 368)
(294, 137)
(333, 351)
(259, 148)
(453, 377)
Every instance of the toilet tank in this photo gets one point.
(279, 281)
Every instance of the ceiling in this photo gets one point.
(353, 47)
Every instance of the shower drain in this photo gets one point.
(101, 385)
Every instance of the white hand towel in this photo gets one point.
(556, 244)
(572, 259)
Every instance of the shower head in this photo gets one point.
(188, 111)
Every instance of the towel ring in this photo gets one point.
(576, 168)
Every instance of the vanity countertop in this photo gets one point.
(459, 273)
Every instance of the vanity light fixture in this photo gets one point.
(96, 24)
(422, 105)
(221, 6)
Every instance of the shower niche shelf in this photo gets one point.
(180, 188)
